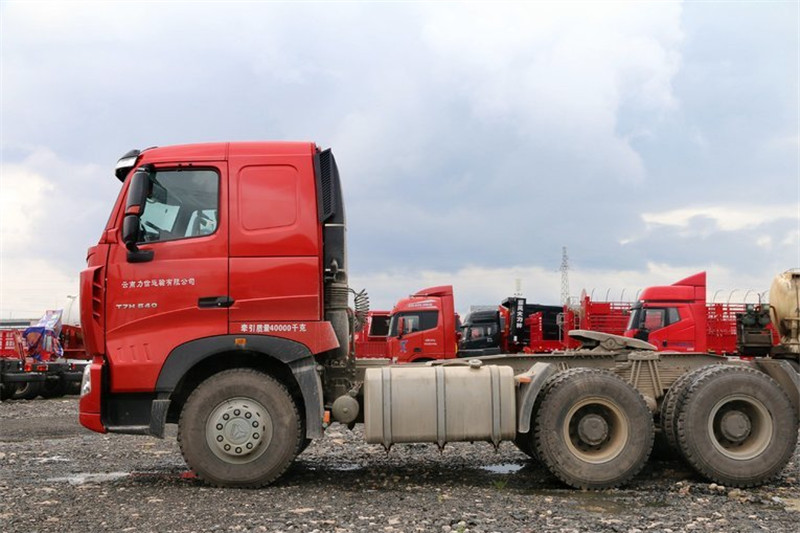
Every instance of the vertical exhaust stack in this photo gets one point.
(784, 300)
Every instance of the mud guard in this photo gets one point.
(530, 385)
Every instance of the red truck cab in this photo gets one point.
(215, 256)
(424, 326)
(672, 317)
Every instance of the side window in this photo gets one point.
(654, 319)
(379, 326)
(180, 204)
(672, 315)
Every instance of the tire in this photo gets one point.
(7, 390)
(737, 426)
(53, 388)
(215, 423)
(592, 429)
(27, 391)
(524, 441)
(302, 444)
(73, 388)
(672, 403)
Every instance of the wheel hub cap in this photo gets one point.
(593, 429)
(735, 426)
(239, 428)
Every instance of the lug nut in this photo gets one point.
(219, 438)
(255, 424)
(227, 447)
(255, 436)
(236, 412)
(238, 450)
(219, 427)
(247, 414)
(249, 445)
(226, 416)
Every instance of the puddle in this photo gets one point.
(345, 467)
(80, 479)
(589, 501)
(503, 468)
(54, 459)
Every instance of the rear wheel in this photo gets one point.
(673, 402)
(7, 390)
(737, 426)
(53, 388)
(27, 391)
(592, 429)
(239, 428)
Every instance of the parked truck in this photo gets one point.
(516, 326)
(217, 299)
(677, 317)
(371, 340)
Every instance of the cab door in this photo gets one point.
(176, 288)
(420, 338)
(667, 329)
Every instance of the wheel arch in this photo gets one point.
(288, 361)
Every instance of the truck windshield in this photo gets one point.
(636, 317)
(414, 321)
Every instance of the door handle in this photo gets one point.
(214, 302)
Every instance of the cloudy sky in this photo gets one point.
(653, 140)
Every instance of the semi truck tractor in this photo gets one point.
(217, 299)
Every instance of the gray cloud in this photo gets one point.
(466, 134)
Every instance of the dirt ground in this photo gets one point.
(56, 476)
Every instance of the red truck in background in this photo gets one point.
(516, 326)
(513, 327)
(51, 358)
(677, 317)
(424, 327)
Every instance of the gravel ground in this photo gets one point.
(57, 476)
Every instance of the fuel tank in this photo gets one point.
(439, 404)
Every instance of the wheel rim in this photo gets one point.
(239, 430)
(595, 430)
(740, 427)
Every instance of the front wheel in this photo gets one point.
(239, 428)
(592, 429)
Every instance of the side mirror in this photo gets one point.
(401, 327)
(134, 206)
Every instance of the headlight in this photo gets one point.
(86, 382)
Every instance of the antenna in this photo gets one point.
(517, 287)
(564, 276)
